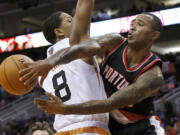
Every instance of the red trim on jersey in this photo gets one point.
(136, 67)
(117, 46)
(113, 49)
(158, 119)
(133, 117)
(146, 68)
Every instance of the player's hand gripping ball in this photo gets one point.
(9, 74)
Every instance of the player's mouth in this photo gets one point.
(130, 35)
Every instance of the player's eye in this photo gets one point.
(140, 24)
(69, 19)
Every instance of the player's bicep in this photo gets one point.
(150, 82)
(109, 41)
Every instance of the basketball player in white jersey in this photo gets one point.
(78, 81)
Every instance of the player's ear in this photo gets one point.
(59, 32)
(155, 35)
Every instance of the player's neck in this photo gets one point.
(60, 39)
(135, 57)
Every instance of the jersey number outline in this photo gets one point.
(62, 86)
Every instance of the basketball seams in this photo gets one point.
(15, 63)
(7, 78)
(18, 69)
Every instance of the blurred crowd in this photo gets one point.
(5, 97)
(171, 70)
(170, 120)
(110, 13)
(23, 127)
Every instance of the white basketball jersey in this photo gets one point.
(75, 82)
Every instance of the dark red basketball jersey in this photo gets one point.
(116, 75)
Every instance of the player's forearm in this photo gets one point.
(83, 50)
(91, 107)
(146, 86)
(86, 6)
(119, 99)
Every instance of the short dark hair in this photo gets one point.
(42, 126)
(52, 22)
(157, 24)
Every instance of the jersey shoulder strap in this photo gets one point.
(64, 43)
(118, 46)
(154, 60)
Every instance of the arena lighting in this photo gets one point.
(168, 17)
(120, 25)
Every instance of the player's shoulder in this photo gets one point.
(64, 43)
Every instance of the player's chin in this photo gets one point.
(131, 41)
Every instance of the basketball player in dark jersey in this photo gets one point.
(131, 74)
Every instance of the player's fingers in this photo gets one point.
(42, 107)
(42, 79)
(24, 71)
(49, 112)
(27, 64)
(52, 97)
(41, 102)
(31, 79)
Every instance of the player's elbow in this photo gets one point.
(88, 49)
(159, 84)
(153, 88)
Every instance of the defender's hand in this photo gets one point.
(33, 71)
(53, 106)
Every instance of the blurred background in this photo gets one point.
(20, 33)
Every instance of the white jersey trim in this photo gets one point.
(85, 124)
(158, 129)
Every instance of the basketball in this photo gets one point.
(9, 74)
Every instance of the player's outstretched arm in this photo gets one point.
(85, 49)
(81, 21)
(88, 48)
(147, 85)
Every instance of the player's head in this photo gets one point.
(42, 128)
(57, 26)
(145, 29)
(40, 132)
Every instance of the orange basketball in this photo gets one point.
(9, 74)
